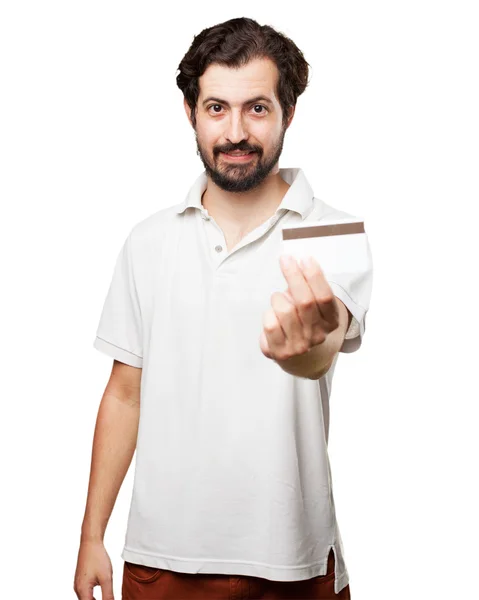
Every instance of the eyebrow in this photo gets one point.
(250, 101)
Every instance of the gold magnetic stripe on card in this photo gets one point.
(294, 233)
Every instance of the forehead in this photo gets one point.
(235, 85)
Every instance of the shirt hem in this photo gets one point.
(113, 351)
(246, 568)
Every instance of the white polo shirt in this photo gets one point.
(232, 472)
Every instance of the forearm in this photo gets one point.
(114, 444)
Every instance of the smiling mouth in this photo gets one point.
(239, 156)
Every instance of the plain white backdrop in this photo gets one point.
(94, 138)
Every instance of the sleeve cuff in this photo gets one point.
(354, 335)
(117, 353)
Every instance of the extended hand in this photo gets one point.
(301, 317)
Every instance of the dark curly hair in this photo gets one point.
(236, 42)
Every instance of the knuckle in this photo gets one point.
(303, 348)
(318, 338)
(307, 304)
(326, 297)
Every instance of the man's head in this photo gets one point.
(240, 83)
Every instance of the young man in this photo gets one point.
(232, 493)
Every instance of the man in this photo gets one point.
(220, 380)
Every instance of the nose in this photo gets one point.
(235, 130)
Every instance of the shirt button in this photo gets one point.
(218, 248)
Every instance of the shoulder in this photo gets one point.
(152, 224)
(327, 213)
(148, 234)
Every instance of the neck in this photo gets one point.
(244, 208)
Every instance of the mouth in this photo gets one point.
(238, 157)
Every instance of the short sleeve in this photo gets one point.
(354, 289)
(119, 332)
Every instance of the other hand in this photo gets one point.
(300, 317)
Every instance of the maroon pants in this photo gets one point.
(151, 583)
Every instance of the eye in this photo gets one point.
(254, 106)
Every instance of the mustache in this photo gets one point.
(240, 148)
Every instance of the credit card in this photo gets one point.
(338, 247)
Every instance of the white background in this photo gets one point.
(94, 138)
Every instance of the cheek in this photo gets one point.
(265, 135)
(209, 138)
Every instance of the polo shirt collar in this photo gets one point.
(298, 198)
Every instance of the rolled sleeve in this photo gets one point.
(119, 332)
(354, 335)
(354, 290)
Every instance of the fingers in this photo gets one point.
(84, 591)
(302, 316)
(107, 589)
(300, 291)
(272, 327)
(311, 292)
(283, 330)
(323, 294)
(263, 344)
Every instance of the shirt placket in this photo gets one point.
(216, 240)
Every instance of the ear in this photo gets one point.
(187, 110)
(291, 115)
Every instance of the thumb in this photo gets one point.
(263, 343)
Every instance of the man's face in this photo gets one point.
(231, 118)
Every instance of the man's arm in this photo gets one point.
(114, 444)
(316, 363)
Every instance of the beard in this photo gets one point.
(240, 177)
